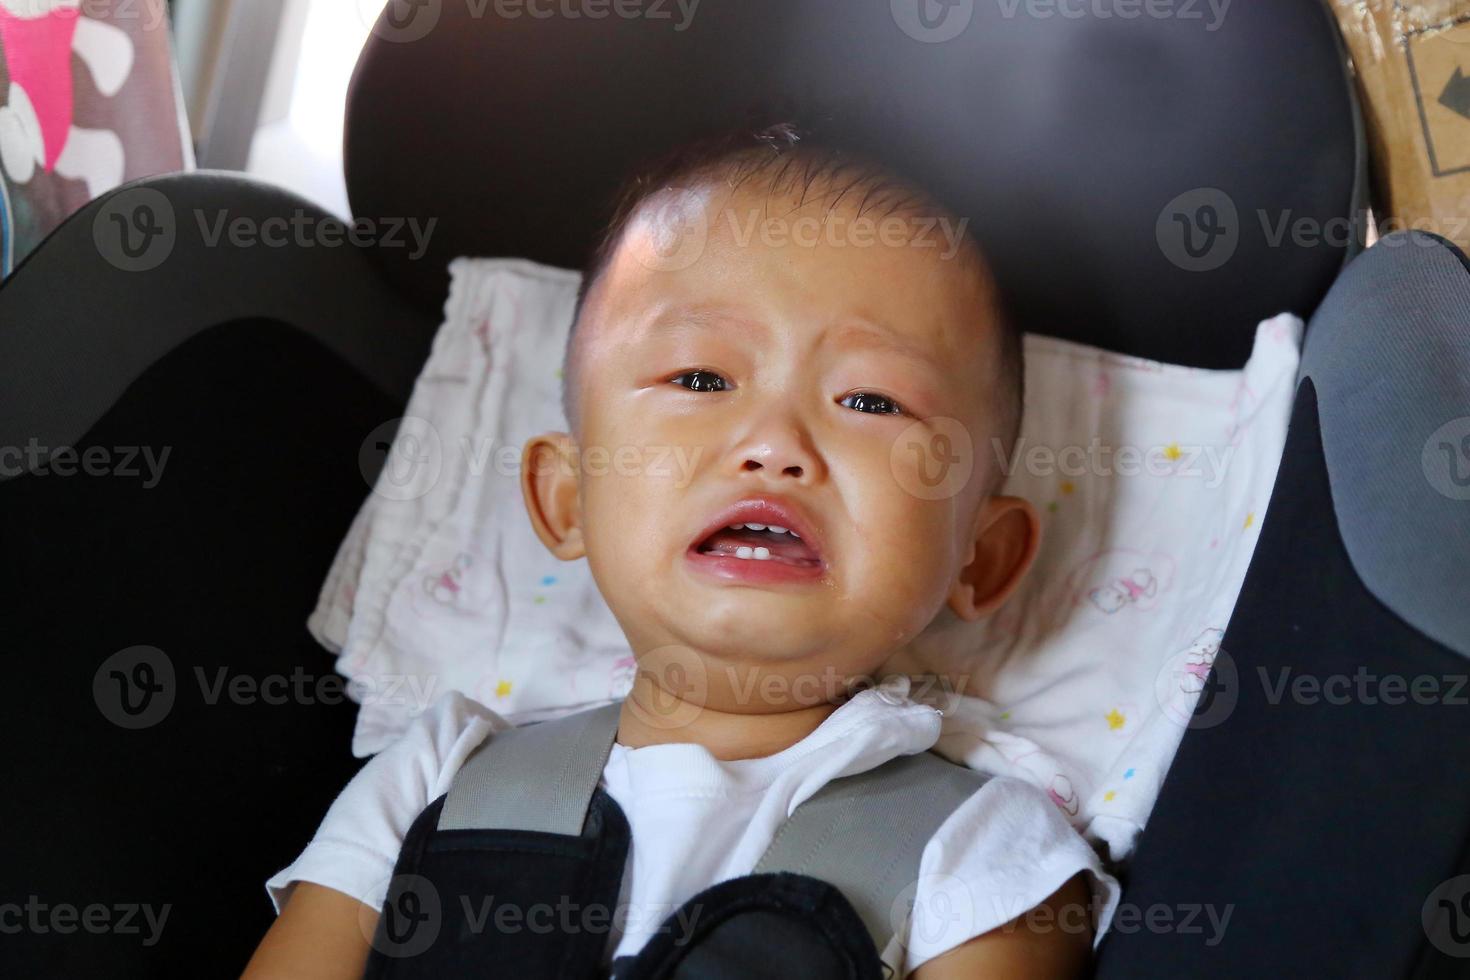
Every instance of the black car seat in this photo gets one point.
(1136, 181)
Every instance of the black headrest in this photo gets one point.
(1151, 176)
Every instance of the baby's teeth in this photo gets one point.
(744, 552)
(762, 554)
(756, 527)
(775, 530)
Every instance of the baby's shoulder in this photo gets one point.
(1001, 853)
(437, 741)
(1003, 807)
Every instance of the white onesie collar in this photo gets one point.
(875, 725)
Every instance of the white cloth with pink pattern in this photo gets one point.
(1151, 481)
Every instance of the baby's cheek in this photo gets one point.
(906, 564)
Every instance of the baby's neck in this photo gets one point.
(652, 716)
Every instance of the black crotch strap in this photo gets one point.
(516, 871)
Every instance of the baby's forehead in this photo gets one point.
(825, 226)
(826, 252)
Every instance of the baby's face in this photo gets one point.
(825, 387)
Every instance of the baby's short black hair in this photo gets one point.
(789, 160)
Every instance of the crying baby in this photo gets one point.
(820, 340)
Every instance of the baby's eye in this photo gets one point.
(701, 381)
(871, 402)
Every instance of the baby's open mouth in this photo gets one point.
(760, 542)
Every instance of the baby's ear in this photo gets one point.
(1007, 534)
(549, 485)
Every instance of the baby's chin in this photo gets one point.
(758, 640)
(754, 653)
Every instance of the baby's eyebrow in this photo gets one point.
(864, 334)
(699, 317)
(881, 339)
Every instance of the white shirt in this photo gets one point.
(697, 821)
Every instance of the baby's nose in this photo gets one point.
(791, 469)
(788, 457)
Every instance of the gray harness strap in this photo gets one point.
(863, 834)
(553, 766)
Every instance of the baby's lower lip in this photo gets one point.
(753, 571)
